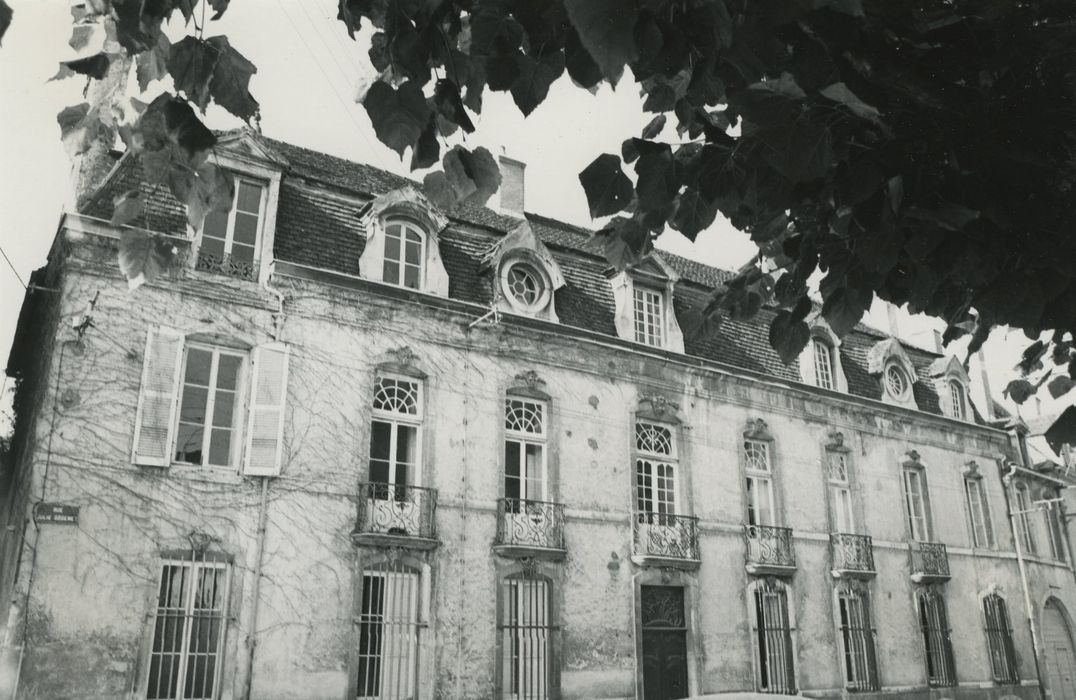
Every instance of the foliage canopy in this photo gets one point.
(920, 151)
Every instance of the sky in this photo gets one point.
(309, 73)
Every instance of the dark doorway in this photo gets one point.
(664, 631)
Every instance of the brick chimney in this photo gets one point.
(90, 167)
(512, 185)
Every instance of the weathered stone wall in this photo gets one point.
(93, 595)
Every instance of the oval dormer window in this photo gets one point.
(896, 381)
(524, 285)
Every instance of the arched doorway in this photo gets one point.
(1060, 653)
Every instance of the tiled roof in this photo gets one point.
(319, 228)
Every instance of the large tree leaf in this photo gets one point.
(844, 308)
(127, 207)
(473, 175)
(839, 92)
(531, 86)
(606, 29)
(428, 149)
(398, 116)
(789, 336)
(95, 66)
(80, 126)
(144, 256)
(1019, 390)
(607, 188)
(212, 69)
(801, 151)
(446, 97)
(624, 242)
(5, 18)
(694, 213)
(1060, 385)
(153, 64)
(211, 190)
(582, 69)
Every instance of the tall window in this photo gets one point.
(649, 317)
(232, 235)
(1054, 530)
(823, 363)
(956, 398)
(184, 659)
(1023, 519)
(209, 408)
(999, 639)
(840, 492)
(405, 254)
(915, 504)
(857, 638)
(526, 636)
(388, 633)
(524, 450)
(759, 484)
(395, 435)
(934, 623)
(982, 534)
(655, 470)
(774, 655)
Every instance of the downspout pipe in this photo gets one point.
(1007, 480)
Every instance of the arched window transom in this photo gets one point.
(405, 254)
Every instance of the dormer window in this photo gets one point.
(524, 286)
(523, 273)
(405, 253)
(951, 384)
(229, 241)
(649, 317)
(956, 398)
(823, 363)
(896, 381)
(402, 247)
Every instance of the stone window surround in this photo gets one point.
(694, 643)
(943, 372)
(913, 463)
(410, 205)
(658, 409)
(752, 624)
(996, 590)
(863, 589)
(553, 575)
(835, 444)
(971, 473)
(663, 280)
(888, 353)
(820, 331)
(757, 430)
(529, 385)
(522, 245)
(269, 176)
(401, 362)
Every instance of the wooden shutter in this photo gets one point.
(269, 392)
(155, 420)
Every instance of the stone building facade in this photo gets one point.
(359, 447)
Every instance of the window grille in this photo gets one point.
(524, 284)
(915, 506)
(655, 469)
(937, 644)
(956, 398)
(1023, 519)
(229, 242)
(981, 533)
(999, 639)
(857, 639)
(773, 640)
(649, 317)
(388, 633)
(759, 484)
(524, 452)
(395, 436)
(188, 631)
(896, 381)
(209, 407)
(405, 255)
(526, 638)
(823, 364)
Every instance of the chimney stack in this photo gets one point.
(512, 186)
(90, 167)
(891, 314)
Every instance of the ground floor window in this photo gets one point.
(937, 644)
(857, 637)
(188, 630)
(999, 640)
(388, 633)
(526, 641)
(774, 654)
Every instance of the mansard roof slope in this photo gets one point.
(318, 225)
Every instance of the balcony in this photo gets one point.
(770, 550)
(853, 555)
(665, 539)
(530, 529)
(396, 515)
(929, 561)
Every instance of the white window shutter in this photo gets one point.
(269, 392)
(155, 420)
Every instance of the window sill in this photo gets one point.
(215, 475)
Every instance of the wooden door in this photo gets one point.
(664, 631)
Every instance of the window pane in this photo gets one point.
(413, 249)
(411, 277)
(198, 365)
(391, 272)
(193, 405)
(215, 227)
(392, 243)
(380, 445)
(406, 439)
(223, 409)
(220, 447)
(228, 371)
(246, 228)
(249, 197)
(512, 484)
(242, 253)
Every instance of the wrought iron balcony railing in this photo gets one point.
(852, 554)
(666, 537)
(770, 549)
(396, 514)
(526, 525)
(225, 265)
(930, 562)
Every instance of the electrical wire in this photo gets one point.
(12, 266)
